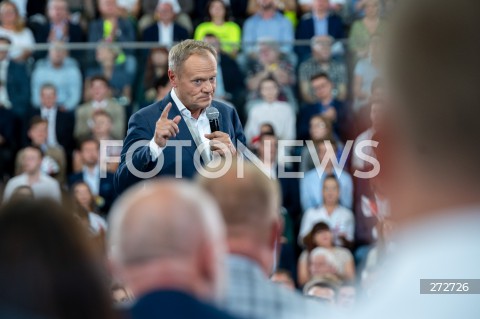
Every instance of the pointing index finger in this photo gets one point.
(165, 111)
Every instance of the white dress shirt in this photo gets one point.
(165, 34)
(201, 124)
(92, 179)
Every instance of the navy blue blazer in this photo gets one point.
(171, 304)
(141, 127)
(151, 33)
(106, 190)
(306, 30)
(64, 124)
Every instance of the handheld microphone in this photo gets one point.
(212, 116)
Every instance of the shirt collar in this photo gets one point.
(96, 171)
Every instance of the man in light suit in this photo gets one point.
(167, 245)
(179, 117)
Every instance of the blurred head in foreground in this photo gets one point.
(433, 88)
(47, 268)
(167, 235)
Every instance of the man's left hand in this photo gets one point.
(220, 143)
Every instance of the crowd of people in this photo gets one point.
(292, 70)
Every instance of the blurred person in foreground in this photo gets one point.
(167, 244)
(431, 177)
(251, 209)
(48, 268)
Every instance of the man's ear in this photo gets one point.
(173, 78)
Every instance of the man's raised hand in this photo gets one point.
(165, 128)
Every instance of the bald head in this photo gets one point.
(172, 225)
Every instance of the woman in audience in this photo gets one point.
(270, 110)
(116, 73)
(363, 30)
(321, 236)
(228, 32)
(156, 68)
(12, 27)
(83, 195)
(49, 270)
(338, 218)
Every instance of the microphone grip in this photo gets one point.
(214, 125)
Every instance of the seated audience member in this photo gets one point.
(271, 63)
(61, 71)
(91, 174)
(217, 23)
(325, 104)
(267, 24)
(228, 88)
(181, 9)
(41, 184)
(58, 28)
(284, 278)
(156, 68)
(320, 129)
(13, 28)
(167, 245)
(14, 93)
(48, 267)
(54, 162)
(322, 289)
(339, 218)
(271, 110)
(319, 23)
(376, 122)
(322, 62)
(321, 236)
(312, 184)
(253, 232)
(362, 30)
(102, 131)
(111, 28)
(346, 296)
(84, 197)
(116, 73)
(100, 100)
(166, 32)
(366, 71)
(60, 121)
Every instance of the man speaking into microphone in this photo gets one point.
(162, 138)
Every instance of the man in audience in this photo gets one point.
(311, 185)
(165, 31)
(14, 88)
(322, 62)
(60, 122)
(325, 104)
(250, 208)
(102, 131)
(319, 22)
(58, 28)
(91, 174)
(54, 161)
(167, 244)
(269, 24)
(61, 71)
(429, 158)
(41, 184)
(100, 91)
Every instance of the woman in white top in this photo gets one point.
(340, 219)
(83, 195)
(13, 28)
(341, 259)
